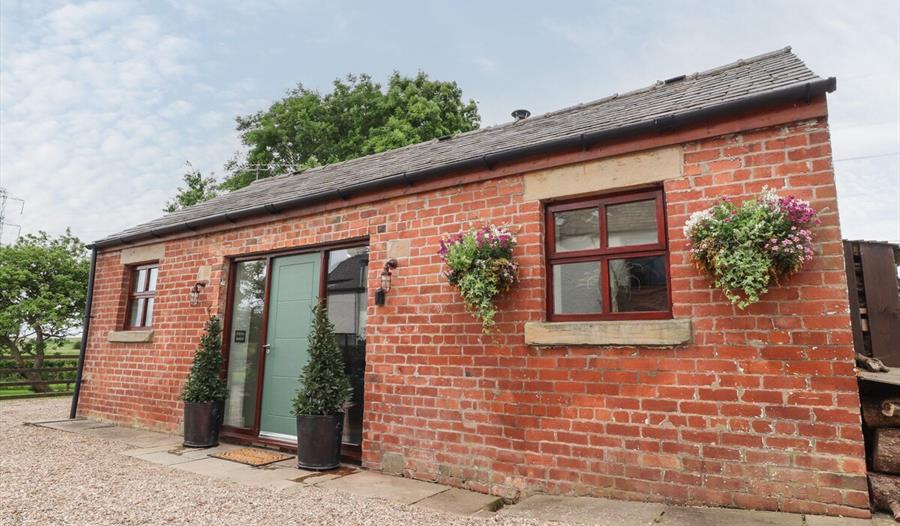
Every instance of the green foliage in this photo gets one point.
(196, 190)
(43, 282)
(357, 118)
(748, 247)
(481, 266)
(325, 387)
(205, 383)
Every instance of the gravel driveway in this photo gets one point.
(50, 477)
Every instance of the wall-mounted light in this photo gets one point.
(385, 282)
(194, 295)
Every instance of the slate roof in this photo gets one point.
(723, 87)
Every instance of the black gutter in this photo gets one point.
(800, 92)
(86, 325)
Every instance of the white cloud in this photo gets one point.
(95, 119)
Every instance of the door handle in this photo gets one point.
(268, 348)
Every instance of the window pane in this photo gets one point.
(577, 229)
(140, 280)
(631, 224)
(244, 346)
(153, 273)
(347, 309)
(148, 321)
(576, 288)
(136, 313)
(638, 284)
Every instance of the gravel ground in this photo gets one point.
(50, 477)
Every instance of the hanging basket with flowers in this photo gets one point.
(745, 248)
(481, 265)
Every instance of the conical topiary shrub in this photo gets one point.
(325, 387)
(319, 403)
(205, 390)
(205, 382)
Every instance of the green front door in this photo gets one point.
(294, 290)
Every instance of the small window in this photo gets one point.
(142, 296)
(607, 258)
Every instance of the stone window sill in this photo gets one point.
(614, 332)
(138, 336)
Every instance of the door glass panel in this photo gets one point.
(244, 343)
(631, 224)
(347, 307)
(577, 229)
(576, 288)
(638, 284)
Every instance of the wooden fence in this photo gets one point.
(874, 299)
(52, 374)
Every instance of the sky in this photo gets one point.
(103, 102)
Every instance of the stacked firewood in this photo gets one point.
(882, 418)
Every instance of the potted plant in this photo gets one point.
(204, 392)
(319, 404)
(482, 266)
(749, 247)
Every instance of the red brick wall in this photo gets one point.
(760, 411)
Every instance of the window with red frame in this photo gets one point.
(607, 258)
(142, 296)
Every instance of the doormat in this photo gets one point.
(252, 456)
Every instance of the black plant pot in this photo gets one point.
(319, 441)
(202, 422)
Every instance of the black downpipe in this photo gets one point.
(84, 332)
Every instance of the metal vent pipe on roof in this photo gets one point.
(520, 114)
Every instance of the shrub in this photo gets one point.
(748, 247)
(205, 383)
(325, 387)
(481, 266)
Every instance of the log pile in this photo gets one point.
(882, 418)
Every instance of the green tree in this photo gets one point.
(325, 387)
(43, 282)
(204, 382)
(307, 129)
(196, 190)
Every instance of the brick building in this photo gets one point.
(620, 372)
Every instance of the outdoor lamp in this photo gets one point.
(385, 282)
(194, 296)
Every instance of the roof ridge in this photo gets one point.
(581, 105)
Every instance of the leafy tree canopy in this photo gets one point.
(43, 283)
(197, 189)
(307, 129)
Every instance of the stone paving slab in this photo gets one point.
(210, 467)
(586, 510)
(460, 501)
(72, 426)
(133, 437)
(371, 484)
(684, 516)
(161, 457)
(877, 520)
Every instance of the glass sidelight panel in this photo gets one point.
(347, 305)
(249, 284)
